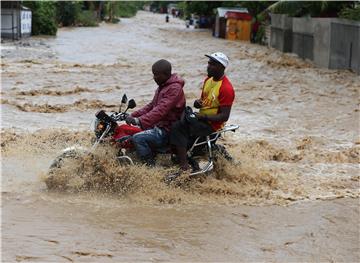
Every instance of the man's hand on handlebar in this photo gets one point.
(133, 121)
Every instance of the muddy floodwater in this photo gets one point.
(291, 195)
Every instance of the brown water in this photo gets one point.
(298, 145)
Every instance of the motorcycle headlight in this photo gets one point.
(97, 125)
(100, 126)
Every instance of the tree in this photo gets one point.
(309, 8)
(207, 8)
(351, 13)
(201, 8)
(43, 17)
(114, 9)
(67, 12)
(256, 7)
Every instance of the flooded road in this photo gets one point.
(61, 229)
(298, 145)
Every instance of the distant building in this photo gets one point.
(232, 23)
(15, 20)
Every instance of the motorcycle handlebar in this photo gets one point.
(101, 115)
(121, 116)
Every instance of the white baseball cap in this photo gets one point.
(219, 57)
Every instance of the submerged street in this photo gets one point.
(293, 196)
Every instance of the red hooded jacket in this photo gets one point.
(166, 107)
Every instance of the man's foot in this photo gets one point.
(150, 163)
(171, 177)
(148, 160)
(194, 164)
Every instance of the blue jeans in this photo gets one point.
(147, 141)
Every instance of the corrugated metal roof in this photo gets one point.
(222, 10)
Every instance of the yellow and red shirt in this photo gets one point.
(216, 94)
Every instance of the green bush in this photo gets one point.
(86, 18)
(121, 9)
(351, 13)
(260, 35)
(126, 9)
(67, 12)
(43, 17)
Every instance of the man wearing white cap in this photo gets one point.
(214, 106)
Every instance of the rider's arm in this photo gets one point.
(198, 103)
(171, 97)
(144, 109)
(223, 115)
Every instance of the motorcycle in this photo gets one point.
(108, 128)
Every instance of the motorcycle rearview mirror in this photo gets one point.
(124, 99)
(131, 105)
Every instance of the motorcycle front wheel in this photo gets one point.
(57, 176)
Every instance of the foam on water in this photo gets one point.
(263, 174)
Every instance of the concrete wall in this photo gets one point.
(281, 21)
(329, 42)
(281, 32)
(321, 29)
(345, 45)
(302, 37)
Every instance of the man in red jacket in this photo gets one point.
(157, 117)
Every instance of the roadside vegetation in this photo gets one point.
(49, 15)
(342, 9)
(43, 17)
(351, 13)
(262, 9)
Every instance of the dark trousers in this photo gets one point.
(147, 141)
(183, 133)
